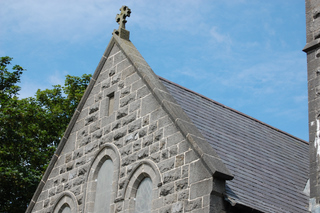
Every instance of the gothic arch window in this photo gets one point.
(65, 209)
(104, 187)
(102, 180)
(66, 203)
(144, 196)
(142, 184)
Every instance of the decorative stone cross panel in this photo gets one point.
(121, 18)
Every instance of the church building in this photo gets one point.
(139, 143)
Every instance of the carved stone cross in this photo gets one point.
(121, 18)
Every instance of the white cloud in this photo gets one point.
(55, 19)
(76, 19)
(57, 78)
(301, 99)
(219, 37)
(269, 29)
(189, 72)
(282, 70)
(228, 45)
(29, 86)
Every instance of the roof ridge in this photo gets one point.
(234, 110)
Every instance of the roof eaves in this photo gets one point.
(239, 205)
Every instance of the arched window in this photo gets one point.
(65, 209)
(104, 187)
(141, 184)
(102, 180)
(144, 196)
(66, 203)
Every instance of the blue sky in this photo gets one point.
(245, 54)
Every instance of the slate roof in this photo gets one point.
(270, 167)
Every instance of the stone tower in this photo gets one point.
(312, 49)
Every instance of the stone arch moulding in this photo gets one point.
(143, 169)
(67, 198)
(107, 151)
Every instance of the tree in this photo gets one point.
(8, 79)
(61, 102)
(30, 130)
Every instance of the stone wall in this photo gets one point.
(141, 140)
(313, 58)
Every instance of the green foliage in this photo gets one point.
(9, 79)
(61, 102)
(30, 130)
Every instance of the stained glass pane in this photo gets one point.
(104, 187)
(144, 196)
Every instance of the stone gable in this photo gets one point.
(126, 118)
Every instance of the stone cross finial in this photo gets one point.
(121, 20)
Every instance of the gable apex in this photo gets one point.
(207, 154)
